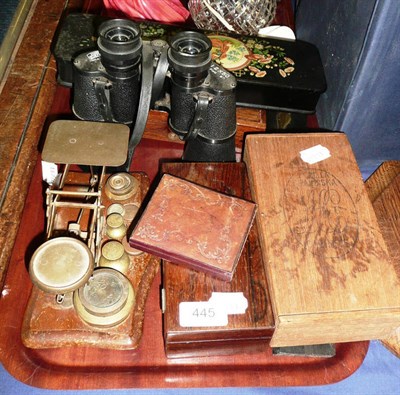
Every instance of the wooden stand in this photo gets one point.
(48, 324)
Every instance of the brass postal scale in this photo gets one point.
(90, 286)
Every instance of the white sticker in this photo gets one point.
(232, 302)
(201, 314)
(277, 31)
(93, 56)
(315, 154)
(49, 172)
(214, 312)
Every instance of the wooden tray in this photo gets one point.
(146, 367)
(89, 368)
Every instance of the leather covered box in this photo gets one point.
(329, 272)
(194, 226)
(245, 330)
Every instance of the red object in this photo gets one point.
(168, 11)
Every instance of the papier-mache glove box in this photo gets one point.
(194, 226)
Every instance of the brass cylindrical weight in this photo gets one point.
(113, 255)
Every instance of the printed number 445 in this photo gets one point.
(205, 312)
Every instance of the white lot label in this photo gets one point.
(214, 312)
(49, 171)
(315, 154)
(201, 314)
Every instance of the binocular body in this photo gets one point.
(101, 96)
(205, 116)
(108, 84)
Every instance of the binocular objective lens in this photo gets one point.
(191, 47)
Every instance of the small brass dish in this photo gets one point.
(113, 255)
(115, 208)
(115, 226)
(61, 265)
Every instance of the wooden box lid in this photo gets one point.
(244, 332)
(328, 268)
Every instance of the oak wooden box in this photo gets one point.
(245, 332)
(327, 264)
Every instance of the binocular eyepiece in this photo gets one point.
(119, 44)
(189, 56)
(107, 80)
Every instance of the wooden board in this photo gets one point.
(383, 188)
(321, 239)
(26, 97)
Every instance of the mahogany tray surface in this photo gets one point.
(146, 367)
